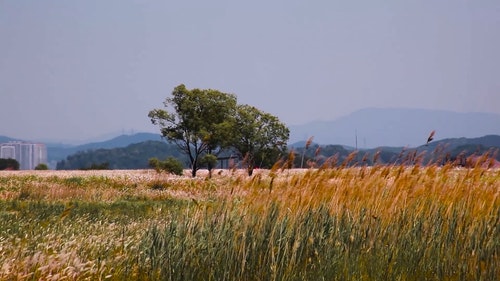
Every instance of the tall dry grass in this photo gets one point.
(357, 223)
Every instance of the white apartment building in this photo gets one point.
(29, 155)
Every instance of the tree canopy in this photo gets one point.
(259, 136)
(9, 164)
(204, 122)
(196, 120)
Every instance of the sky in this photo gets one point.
(80, 70)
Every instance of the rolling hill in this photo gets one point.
(58, 152)
(440, 149)
(396, 127)
(132, 156)
(6, 139)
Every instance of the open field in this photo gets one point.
(364, 223)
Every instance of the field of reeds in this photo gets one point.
(342, 223)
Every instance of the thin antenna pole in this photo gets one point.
(356, 136)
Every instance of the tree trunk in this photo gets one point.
(210, 168)
(194, 169)
(250, 170)
(250, 163)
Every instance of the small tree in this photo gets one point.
(211, 161)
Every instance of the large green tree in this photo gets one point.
(197, 120)
(259, 136)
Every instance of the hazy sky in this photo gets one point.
(76, 70)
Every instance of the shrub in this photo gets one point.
(42, 166)
(171, 165)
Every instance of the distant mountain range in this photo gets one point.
(57, 152)
(5, 139)
(454, 143)
(387, 129)
(119, 141)
(397, 127)
(136, 156)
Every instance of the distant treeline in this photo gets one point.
(134, 156)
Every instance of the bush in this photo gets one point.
(42, 166)
(171, 165)
(155, 164)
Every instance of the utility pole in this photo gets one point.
(356, 136)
